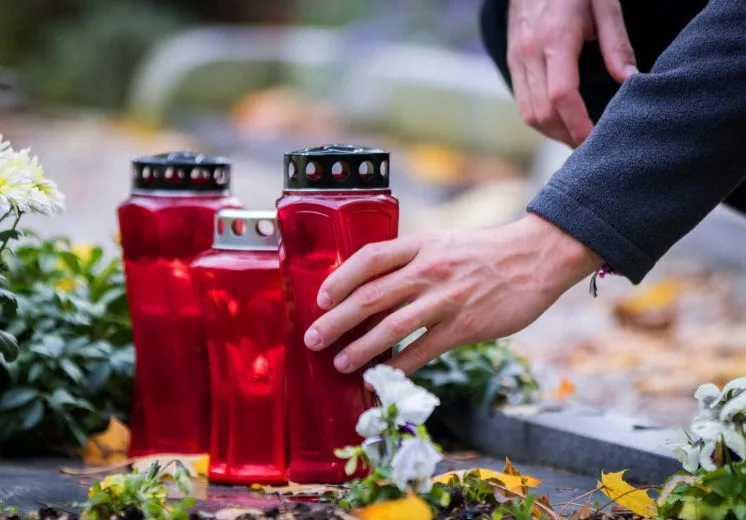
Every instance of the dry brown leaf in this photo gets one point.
(232, 514)
(109, 447)
(461, 456)
(300, 489)
(583, 513)
(411, 507)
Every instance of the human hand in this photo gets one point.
(545, 38)
(464, 286)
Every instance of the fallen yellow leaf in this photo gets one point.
(196, 464)
(409, 508)
(435, 163)
(565, 390)
(513, 482)
(109, 447)
(636, 500)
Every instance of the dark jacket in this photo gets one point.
(669, 146)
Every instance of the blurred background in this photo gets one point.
(90, 84)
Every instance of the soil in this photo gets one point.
(303, 511)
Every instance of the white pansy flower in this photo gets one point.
(413, 403)
(713, 433)
(706, 456)
(686, 451)
(737, 386)
(414, 464)
(371, 423)
(375, 449)
(706, 395)
(733, 407)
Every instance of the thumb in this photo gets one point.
(613, 39)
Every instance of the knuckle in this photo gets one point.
(559, 95)
(526, 44)
(369, 295)
(468, 326)
(399, 324)
(544, 117)
(372, 252)
(550, 31)
(418, 354)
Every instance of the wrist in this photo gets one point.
(564, 259)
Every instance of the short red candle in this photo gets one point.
(240, 293)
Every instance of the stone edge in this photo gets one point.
(578, 441)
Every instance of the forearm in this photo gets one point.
(668, 149)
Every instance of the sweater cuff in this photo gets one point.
(582, 223)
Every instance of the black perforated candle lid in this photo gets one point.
(185, 172)
(337, 167)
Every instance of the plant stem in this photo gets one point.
(15, 223)
(6, 214)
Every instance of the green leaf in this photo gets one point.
(351, 465)
(72, 370)
(35, 372)
(98, 376)
(60, 398)
(10, 234)
(32, 413)
(53, 345)
(76, 430)
(71, 261)
(8, 346)
(17, 397)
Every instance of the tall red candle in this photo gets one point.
(336, 199)
(165, 223)
(240, 292)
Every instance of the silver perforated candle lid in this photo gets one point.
(246, 230)
(181, 173)
(337, 167)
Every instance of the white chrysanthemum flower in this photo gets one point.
(23, 185)
(413, 404)
(414, 464)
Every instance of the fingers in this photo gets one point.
(547, 119)
(390, 331)
(563, 90)
(424, 349)
(547, 96)
(369, 262)
(616, 48)
(382, 294)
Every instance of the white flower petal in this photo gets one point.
(708, 431)
(375, 449)
(371, 423)
(705, 457)
(706, 394)
(738, 385)
(734, 440)
(689, 457)
(414, 464)
(413, 403)
(733, 407)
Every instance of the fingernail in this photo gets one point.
(342, 362)
(312, 338)
(324, 301)
(629, 70)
